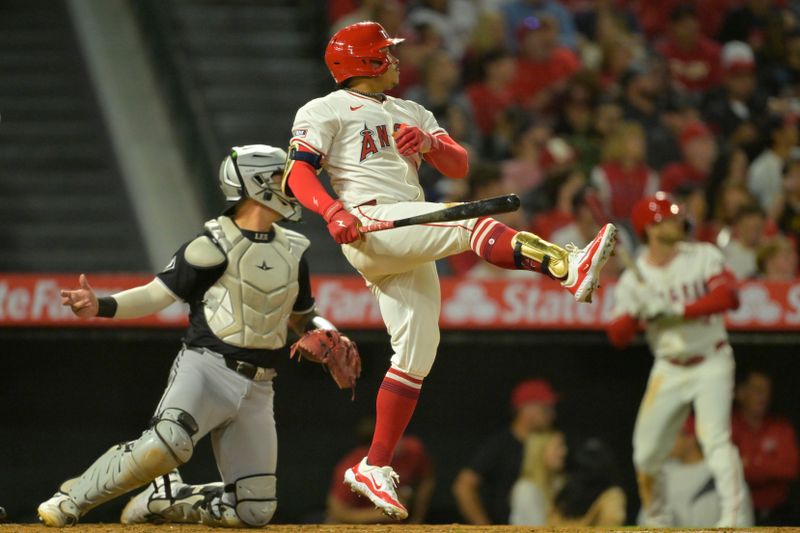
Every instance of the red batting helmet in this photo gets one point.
(352, 50)
(652, 210)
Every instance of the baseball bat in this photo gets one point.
(459, 211)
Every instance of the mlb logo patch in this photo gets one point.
(299, 133)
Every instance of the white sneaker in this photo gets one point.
(585, 263)
(377, 483)
(59, 511)
(148, 506)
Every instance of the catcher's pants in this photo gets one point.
(238, 412)
(671, 391)
(399, 268)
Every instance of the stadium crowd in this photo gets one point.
(582, 107)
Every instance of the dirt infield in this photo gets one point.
(322, 528)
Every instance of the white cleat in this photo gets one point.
(377, 483)
(585, 263)
(59, 511)
(149, 505)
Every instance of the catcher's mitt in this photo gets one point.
(333, 350)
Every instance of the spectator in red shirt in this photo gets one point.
(411, 462)
(699, 154)
(768, 446)
(624, 177)
(694, 60)
(543, 66)
(494, 95)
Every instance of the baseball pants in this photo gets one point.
(399, 268)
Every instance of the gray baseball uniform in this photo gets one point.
(242, 287)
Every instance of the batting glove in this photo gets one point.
(343, 227)
(410, 140)
(657, 308)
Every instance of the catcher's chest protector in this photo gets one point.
(250, 304)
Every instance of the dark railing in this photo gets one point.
(198, 142)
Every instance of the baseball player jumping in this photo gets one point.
(246, 280)
(681, 289)
(372, 145)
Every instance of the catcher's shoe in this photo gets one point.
(149, 506)
(585, 264)
(377, 483)
(59, 511)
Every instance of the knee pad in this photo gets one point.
(254, 503)
(256, 499)
(167, 444)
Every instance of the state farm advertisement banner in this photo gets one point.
(536, 303)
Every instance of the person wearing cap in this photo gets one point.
(515, 11)
(765, 175)
(679, 291)
(699, 155)
(693, 58)
(495, 466)
(692, 498)
(640, 88)
(734, 109)
(543, 65)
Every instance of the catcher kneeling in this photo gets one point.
(246, 281)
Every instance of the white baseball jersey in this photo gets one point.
(353, 134)
(683, 280)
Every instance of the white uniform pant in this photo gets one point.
(671, 391)
(398, 265)
(236, 411)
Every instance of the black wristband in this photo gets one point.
(106, 307)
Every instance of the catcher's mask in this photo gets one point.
(248, 173)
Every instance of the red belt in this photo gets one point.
(695, 359)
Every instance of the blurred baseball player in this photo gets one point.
(372, 145)
(246, 280)
(681, 290)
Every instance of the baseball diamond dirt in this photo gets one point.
(323, 528)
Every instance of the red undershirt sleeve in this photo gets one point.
(307, 188)
(449, 157)
(622, 330)
(722, 296)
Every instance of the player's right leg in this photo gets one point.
(663, 410)
(162, 447)
(402, 249)
(188, 410)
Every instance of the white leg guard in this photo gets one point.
(166, 445)
(253, 503)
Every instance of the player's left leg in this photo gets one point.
(410, 304)
(246, 451)
(712, 405)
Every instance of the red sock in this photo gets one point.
(396, 401)
(491, 240)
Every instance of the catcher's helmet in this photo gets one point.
(247, 173)
(652, 210)
(352, 50)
